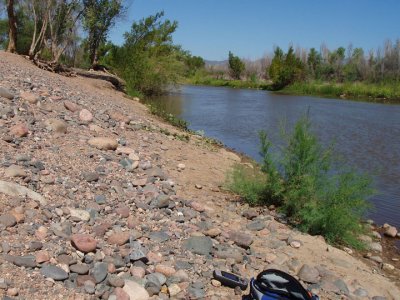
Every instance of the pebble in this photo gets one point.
(241, 239)
(6, 93)
(99, 271)
(308, 274)
(29, 97)
(103, 143)
(135, 291)
(71, 106)
(54, 272)
(84, 242)
(19, 130)
(8, 220)
(391, 231)
(15, 171)
(201, 245)
(85, 116)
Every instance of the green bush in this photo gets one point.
(315, 196)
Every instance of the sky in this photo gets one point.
(251, 28)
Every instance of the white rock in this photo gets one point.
(15, 190)
(135, 291)
(80, 214)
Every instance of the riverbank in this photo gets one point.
(114, 203)
(379, 93)
(236, 84)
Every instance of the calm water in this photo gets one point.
(366, 135)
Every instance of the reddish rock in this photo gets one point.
(29, 97)
(138, 272)
(119, 238)
(85, 115)
(103, 143)
(71, 106)
(123, 211)
(42, 256)
(81, 279)
(118, 116)
(84, 242)
(101, 229)
(41, 233)
(197, 206)
(154, 257)
(165, 270)
(121, 294)
(19, 130)
(132, 222)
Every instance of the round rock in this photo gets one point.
(84, 242)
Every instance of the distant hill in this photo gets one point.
(216, 62)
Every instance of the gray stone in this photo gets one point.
(100, 199)
(230, 253)
(6, 93)
(35, 245)
(89, 287)
(201, 245)
(16, 190)
(99, 271)
(241, 239)
(137, 251)
(183, 265)
(90, 176)
(162, 201)
(115, 281)
(80, 214)
(28, 261)
(256, 225)
(196, 293)
(308, 274)
(360, 292)
(342, 286)
(8, 220)
(81, 269)
(158, 236)
(54, 272)
(377, 247)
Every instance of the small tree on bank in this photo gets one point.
(12, 27)
(236, 66)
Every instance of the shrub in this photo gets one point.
(315, 196)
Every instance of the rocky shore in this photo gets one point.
(101, 200)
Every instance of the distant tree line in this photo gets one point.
(75, 33)
(299, 65)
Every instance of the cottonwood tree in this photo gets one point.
(236, 66)
(12, 27)
(63, 17)
(99, 17)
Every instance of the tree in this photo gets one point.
(12, 27)
(63, 16)
(98, 18)
(148, 60)
(314, 61)
(236, 66)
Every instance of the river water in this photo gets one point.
(366, 135)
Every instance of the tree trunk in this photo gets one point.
(12, 23)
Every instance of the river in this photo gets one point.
(366, 135)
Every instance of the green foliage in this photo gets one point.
(285, 68)
(316, 197)
(389, 92)
(236, 66)
(148, 60)
(193, 64)
(98, 18)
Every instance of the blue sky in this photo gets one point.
(251, 28)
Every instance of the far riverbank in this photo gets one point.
(368, 92)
